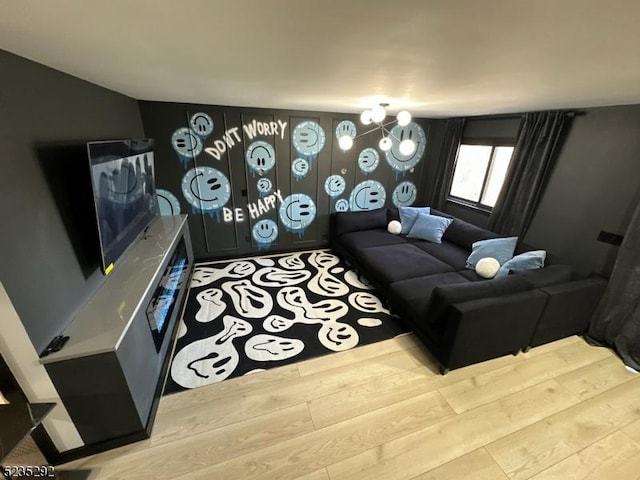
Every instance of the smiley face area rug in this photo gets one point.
(248, 315)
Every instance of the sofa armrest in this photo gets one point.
(568, 310)
(478, 330)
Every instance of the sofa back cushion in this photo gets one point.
(465, 234)
(545, 277)
(346, 222)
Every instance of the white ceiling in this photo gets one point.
(434, 57)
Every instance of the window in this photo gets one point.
(479, 174)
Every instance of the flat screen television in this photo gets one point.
(122, 177)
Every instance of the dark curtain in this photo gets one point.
(539, 138)
(616, 321)
(444, 168)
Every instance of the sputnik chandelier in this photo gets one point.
(377, 116)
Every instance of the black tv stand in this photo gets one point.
(111, 371)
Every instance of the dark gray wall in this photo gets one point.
(48, 245)
(594, 186)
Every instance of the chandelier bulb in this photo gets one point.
(407, 147)
(385, 144)
(345, 142)
(378, 113)
(404, 118)
(365, 117)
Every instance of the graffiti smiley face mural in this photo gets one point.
(264, 187)
(308, 139)
(186, 144)
(201, 124)
(261, 157)
(168, 203)
(367, 195)
(368, 160)
(297, 212)
(264, 232)
(299, 168)
(334, 185)
(399, 162)
(404, 194)
(206, 189)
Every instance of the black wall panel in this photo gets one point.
(271, 172)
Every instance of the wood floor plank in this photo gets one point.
(633, 430)
(355, 355)
(233, 386)
(549, 347)
(477, 465)
(537, 447)
(593, 379)
(170, 460)
(426, 449)
(201, 417)
(321, 474)
(490, 386)
(604, 459)
(309, 452)
(380, 393)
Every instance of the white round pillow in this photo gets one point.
(394, 227)
(487, 267)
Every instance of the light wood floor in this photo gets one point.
(565, 410)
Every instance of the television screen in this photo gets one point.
(122, 176)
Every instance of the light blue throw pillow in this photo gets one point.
(408, 217)
(429, 227)
(499, 248)
(524, 261)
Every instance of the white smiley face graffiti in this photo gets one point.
(334, 185)
(368, 160)
(201, 124)
(265, 233)
(398, 161)
(261, 157)
(342, 205)
(308, 138)
(367, 195)
(404, 194)
(206, 188)
(297, 211)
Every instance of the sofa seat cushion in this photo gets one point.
(355, 242)
(415, 293)
(390, 263)
(449, 253)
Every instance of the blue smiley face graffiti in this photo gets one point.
(186, 144)
(368, 160)
(346, 127)
(404, 194)
(206, 189)
(308, 139)
(299, 168)
(399, 162)
(367, 195)
(261, 157)
(168, 203)
(297, 212)
(264, 187)
(264, 233)
(342, 205)
(334, 185)
(201, 124)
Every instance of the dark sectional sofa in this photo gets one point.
(460, 317)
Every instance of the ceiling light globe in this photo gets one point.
(345, 142)
(404, 118)
(407, 147)
(385, 144)
(365, 117)
(378, 113)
